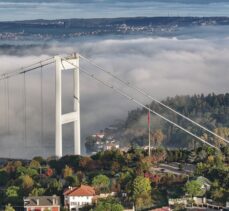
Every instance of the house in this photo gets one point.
(42, 203)
(77, 197)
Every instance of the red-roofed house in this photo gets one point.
(76, 197)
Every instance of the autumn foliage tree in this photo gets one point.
(142, 192)
(67, 171)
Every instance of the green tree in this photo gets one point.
(101, 183)
(194, 188)
(37, 192)
(142, 192)
(12, 195)
(54, 186)
(109, 205)
(4, 177)
(26, 171)
(34, 164)
(8, 207)
(72, 181)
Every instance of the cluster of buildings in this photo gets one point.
(105, 142)
(74, 198)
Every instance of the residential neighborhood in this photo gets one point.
(132, 180)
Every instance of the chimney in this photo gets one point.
(37, 200)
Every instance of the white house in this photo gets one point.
(75, 198)
(41, 203)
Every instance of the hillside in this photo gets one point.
(212, 111)
(62, 29)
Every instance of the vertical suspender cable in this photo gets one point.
(42, 104)
(5, 105)
(8, 107)
(25, 110)
(1, 101)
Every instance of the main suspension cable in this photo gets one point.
(141, 91)
(111, 86)
(27, 69)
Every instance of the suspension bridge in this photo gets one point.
(76, 64)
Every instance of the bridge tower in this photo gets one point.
(71, 63)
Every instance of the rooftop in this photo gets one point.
(42, 201)
(83, 190)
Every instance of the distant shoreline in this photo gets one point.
(123, 18)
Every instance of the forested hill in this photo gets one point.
(212, 111)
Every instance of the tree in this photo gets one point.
(37, 192)
(8, 207)
(109, 204)
(142, 192)
(67, 171)
(158, 137)
(192, 157)
(26, 171)
(34, 164)
(72, 181)
(17, 163)
(101, 183)
(40, 159)
(12, 195)
(27, 182)
(223, 132)
(49, 172)
(217, 193)
(194, 188)
(115, 167)
(54, 186)
(4, 177)
(84, 162)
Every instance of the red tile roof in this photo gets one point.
(83, 190)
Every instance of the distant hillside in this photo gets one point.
(212, 111)
(44, 30)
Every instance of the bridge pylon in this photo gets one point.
(71, 63)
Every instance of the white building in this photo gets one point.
(41, 203)
(111, 146)
(99, 135)
(75, 198)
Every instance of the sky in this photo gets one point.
(11, 10)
